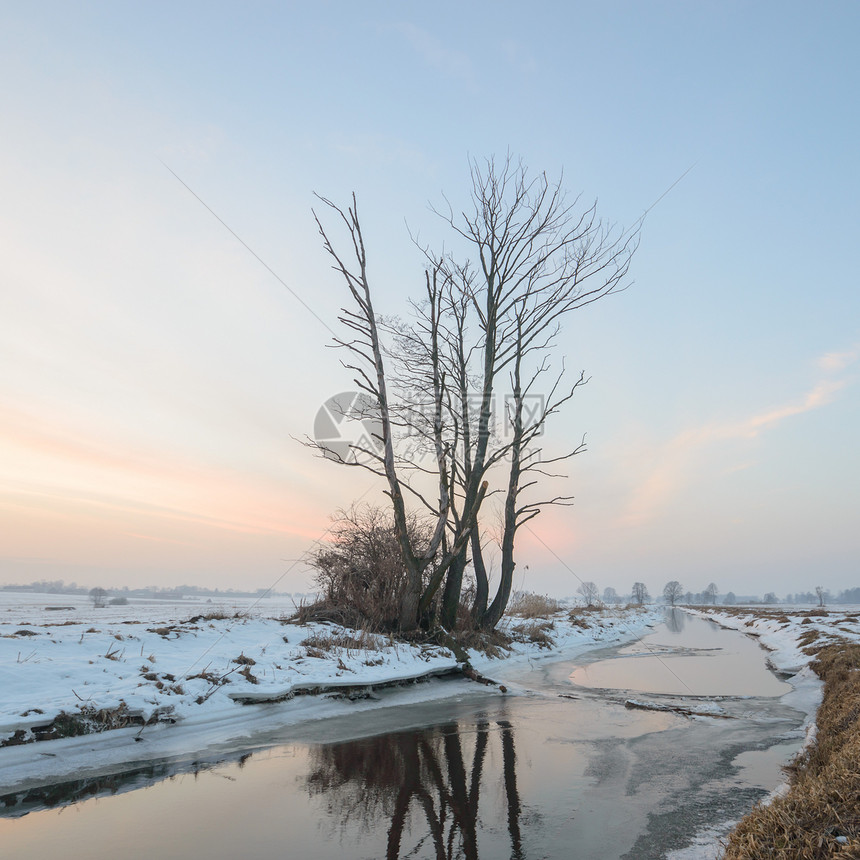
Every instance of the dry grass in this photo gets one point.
(88, 720)
(535, 632)
(494, 643)
(807, 638)
(362, 640)
(579, 617)
(248, 675)
(218, 614)
(819, 817)
(326, 611)
(526, 604)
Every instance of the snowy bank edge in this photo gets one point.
(238, 726)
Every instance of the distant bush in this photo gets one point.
(118, 601)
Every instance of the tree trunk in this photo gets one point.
(482, 582)
(451, 593)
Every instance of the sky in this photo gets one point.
(166, 305)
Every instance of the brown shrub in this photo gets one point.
(360, 572)
(526, 604)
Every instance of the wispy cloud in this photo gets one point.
(822, 394)
(836, 361)
(673, 462)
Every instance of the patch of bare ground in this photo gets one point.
(819, 816)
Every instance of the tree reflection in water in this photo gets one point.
(413, 775)
(675, 620)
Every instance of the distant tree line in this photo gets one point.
(673, 593)
(155, 592)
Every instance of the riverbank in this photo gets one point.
(86, 688)
(817, 814)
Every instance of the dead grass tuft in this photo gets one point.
(343, 641)
(534, 632)
(88, 720)
(217, 615)
(315, 653)
(327, 612)
(819, 817)
(526, 604)
(808, 637)
(493, 643)
(580, 616)
(248, 675)
(209, 677)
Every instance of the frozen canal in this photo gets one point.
(564, 770)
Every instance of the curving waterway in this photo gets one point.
(583, 760)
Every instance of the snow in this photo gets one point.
(706, 845)
(779, 633)
(160, 661)
(187, 668)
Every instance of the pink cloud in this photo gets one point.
(674, 462)
(835, 361)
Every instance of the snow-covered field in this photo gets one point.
(178, 676)
(189, 669)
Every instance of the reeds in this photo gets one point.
(819, 816)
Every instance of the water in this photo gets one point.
(531, 776)
(689, 657)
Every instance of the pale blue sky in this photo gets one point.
(154, 372)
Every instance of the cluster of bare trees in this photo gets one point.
(486, 326)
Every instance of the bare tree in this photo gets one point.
(730, 599)
(640, 593)
(98, 597)
(821, 594)
(710, 593)
(672, 592)
(486, 325)
(365, 346)
(610, 595)
(590, 593)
